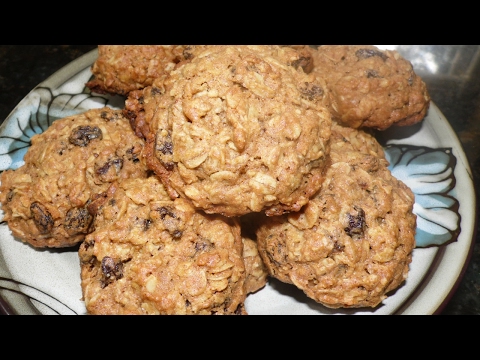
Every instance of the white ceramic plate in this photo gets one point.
(427, 156)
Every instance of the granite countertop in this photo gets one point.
(451, 72)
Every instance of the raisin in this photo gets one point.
(164, 149)
(167, 211)
(96, 202)
(132, 155)
(105, 168)
(367, 53)
(146, 224)
(87, 244)
(77, 220)
(187, 53)
(111, 270)
(372, 74)
(155, 91)
(42, 217)
(103, 114)
(203, 245)
(356, 223)
(311, 91)
(171, 221)
(338, 248)
(306, 63)
(109, 116)
(82, 135)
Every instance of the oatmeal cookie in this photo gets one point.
(370, 87)
(120, 69)
(149, 254)
(352, 244)
(46, 200)
(296, 56)
(238, 129)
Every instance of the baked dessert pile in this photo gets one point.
(227, 165)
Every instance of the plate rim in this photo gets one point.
(414, 309)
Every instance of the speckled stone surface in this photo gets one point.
(452, 74)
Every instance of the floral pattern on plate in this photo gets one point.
(40, 108)
(430, 174)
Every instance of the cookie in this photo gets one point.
(45, 201)
(149, 254)
(120, 69)
(238, 129)
(296, 56)
(352, 244)
(370, 87)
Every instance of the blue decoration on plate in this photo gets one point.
(430, 174)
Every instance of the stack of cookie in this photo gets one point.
(238, 163)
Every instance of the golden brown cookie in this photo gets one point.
(296, 56)
(120, 69)
(46, 200)
(370, 87)
(351, 245)
(149, 254)
(238, 129)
